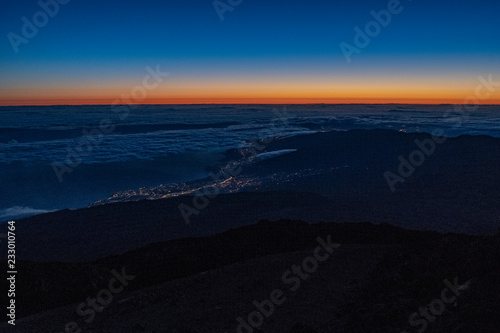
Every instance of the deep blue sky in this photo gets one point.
(113, 40)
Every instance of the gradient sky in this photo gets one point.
(94, 52)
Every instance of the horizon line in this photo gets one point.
(269, 103)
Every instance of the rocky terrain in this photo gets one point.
(373, 282)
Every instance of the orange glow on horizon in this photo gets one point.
(343, 90)
(194, 101)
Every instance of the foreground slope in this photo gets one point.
(376, 279)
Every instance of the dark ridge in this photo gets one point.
(52, 284)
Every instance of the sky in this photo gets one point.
(98, 52)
